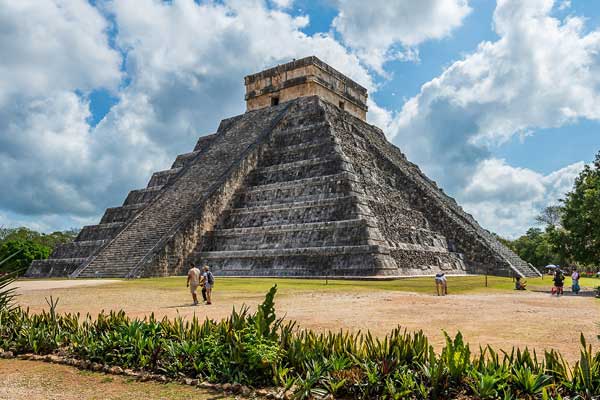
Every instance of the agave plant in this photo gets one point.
(487, 386)
(7, 292)
(528, 382)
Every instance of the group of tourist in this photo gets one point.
(203, 279)
(441, 283)
(559, 282)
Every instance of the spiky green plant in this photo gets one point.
(258, 349)
(7, 292)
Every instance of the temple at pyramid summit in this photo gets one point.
(300, 185)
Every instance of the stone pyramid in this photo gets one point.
(299, 185)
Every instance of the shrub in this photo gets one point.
(258, 349)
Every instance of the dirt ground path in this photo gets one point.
(29, 380)
(500, 318)
(26, 286)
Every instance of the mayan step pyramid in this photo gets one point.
(300, 186)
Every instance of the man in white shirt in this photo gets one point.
(193, 281)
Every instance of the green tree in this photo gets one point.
(581, 216)
(16, 255)
(24, 245)
(45, 239)
(536, 248)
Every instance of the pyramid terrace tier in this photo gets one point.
(335, 233)
(322, 147)
(307, 189)
(296, 170)
(122, 213)
(142, 196)
(341, 261)
(54, 268)
(99, 232)
(321, 210)
(333, 261)
(333, 207)
(161, 178)
(77, 249)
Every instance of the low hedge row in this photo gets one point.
(258, 349)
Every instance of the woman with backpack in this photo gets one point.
(209, 281)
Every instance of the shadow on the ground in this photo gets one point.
(568, 293)
(184, 305)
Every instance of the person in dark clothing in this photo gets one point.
(559, 282)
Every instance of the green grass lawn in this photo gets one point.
(456, 284)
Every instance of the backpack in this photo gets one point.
(211, 278)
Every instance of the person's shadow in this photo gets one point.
(182, 306)
(568, 293)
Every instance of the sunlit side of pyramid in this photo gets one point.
(299, 185)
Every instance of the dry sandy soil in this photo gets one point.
(28, 380)
(500, 318)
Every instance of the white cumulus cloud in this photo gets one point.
(542, 72)
(374, 27)
(183, 72)
(509, 198)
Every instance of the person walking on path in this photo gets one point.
(209, 281)
(193, 281)
(203, 284)
(575, 281)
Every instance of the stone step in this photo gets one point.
(335, 233)
(321, 210)
(142, 195)
(315, 188)
(121, 214)
(161, 178)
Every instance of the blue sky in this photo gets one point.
(499, 102)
